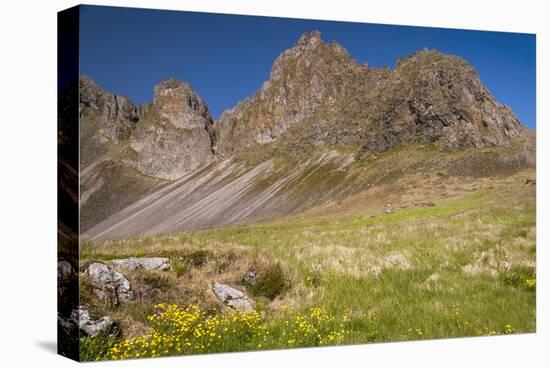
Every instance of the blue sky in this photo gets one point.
(226, 58)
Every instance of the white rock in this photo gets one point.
(111, 284)
(89, 327)
(147, 263)
(232, 297)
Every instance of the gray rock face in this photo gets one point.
(177, 103)
(167, 138)
(232, 297)
(176, 136)
(302, 79)
(147, 263)
(111, 284)
(116, 114)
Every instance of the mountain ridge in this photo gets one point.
(317, 99)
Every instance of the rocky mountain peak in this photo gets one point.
(310, 54)
(177, 103)
(435, 97)
(175, 135)
(319, 96)
(310, 39)
(115, 114)
(302, 78)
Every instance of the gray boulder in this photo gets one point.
(80, 321)
(147, 263)
(111, 284)
(89, 327)
(232, 298)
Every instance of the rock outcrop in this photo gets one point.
(116, 113)
(128, 151)
(110, 284)
(175, 136)
(232, 297)
(304, 78)
(438, 98)
(318, 96)
(90, 327)
(146, 263)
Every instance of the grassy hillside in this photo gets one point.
(431, 252)
(106, 185)
(244, 189)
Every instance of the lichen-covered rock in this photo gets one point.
(147, 263)
(232, 298)
(110, 284)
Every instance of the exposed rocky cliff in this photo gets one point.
(304, 78)
(175, 134)
(127, 150)
(321, 97)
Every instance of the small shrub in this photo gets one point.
(179, 267)
(199, 258)
(270, 283)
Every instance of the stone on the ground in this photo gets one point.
(111, 284)
(232, 297)
(90, 327)
(147, 263)
(80, 320)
